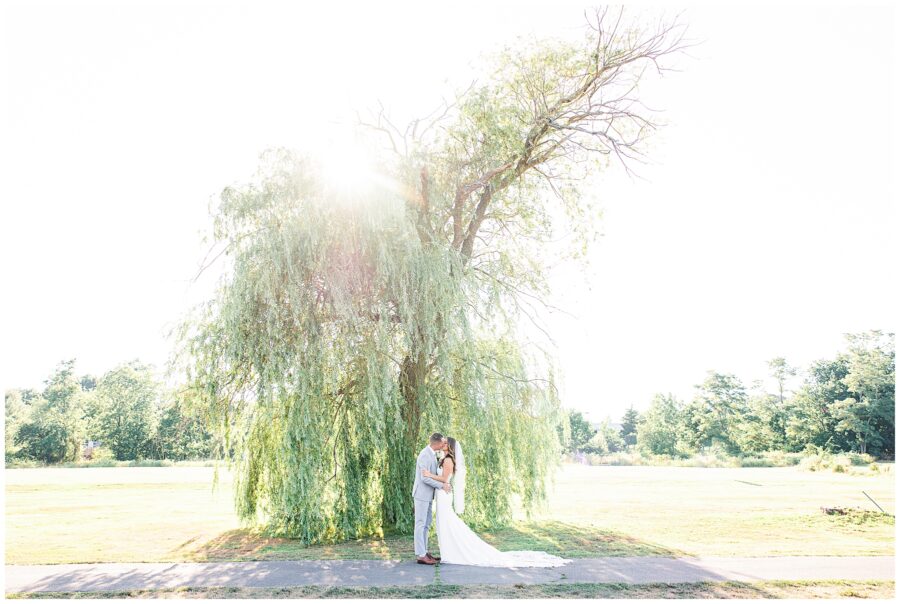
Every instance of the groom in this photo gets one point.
(423, 495)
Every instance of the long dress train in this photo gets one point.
(460, 545)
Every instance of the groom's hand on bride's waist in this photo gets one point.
(446, 486)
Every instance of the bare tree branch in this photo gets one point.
(596, 114)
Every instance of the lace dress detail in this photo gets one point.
(460, 545)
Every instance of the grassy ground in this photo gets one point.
(767, 589)
(150, 514)
(729, 511)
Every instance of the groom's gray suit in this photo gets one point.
(423, 495)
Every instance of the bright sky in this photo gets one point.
(764, 226)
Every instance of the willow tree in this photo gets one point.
(352, 322)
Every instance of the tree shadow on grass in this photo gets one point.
(573, 541)
(249, 544)
(559, 538)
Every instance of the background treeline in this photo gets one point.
(128, 410)
(844, 404)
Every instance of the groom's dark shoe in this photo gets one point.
(435, 558)
(425, 560)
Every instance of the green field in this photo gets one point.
(56, 515)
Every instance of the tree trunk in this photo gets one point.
(405, 446)
(410, 383)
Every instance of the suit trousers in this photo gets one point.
(423, 525)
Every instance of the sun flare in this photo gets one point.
(350, 170)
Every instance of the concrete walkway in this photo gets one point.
(357, 573)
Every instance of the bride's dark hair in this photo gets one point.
(451, 451)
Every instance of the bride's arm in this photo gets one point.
(446, 471)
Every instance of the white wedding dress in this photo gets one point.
(460, 545)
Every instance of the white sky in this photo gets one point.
(764, 226)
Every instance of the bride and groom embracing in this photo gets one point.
(458, 543)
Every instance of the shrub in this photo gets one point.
(620, 458)
(782, 459)
(102, 454)
(202, 463)
(715, 457)
(823, 460)
(756, 462)
(23, 463)
(841, 460)
(150, 463)
(860, 459)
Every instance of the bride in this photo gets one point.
(458, 543)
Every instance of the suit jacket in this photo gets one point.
(423, 488)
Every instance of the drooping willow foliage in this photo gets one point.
(351, 325)
(339, 343)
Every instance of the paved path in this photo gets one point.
(103, 577)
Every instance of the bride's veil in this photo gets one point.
(459, 480)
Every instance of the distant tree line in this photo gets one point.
(844, 404)
(127, 410)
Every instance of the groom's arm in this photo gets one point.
(420, 465)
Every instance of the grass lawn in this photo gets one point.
(78, 515)
(765, 589)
